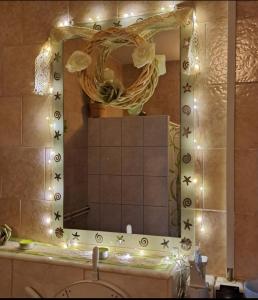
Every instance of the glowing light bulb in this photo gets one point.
(199, 219)
(50, 90)
(66, 23)
(131, 14)
(195, 107)
(48, 220)
(98, 18)
(75, 244)
(90, 20)
(50, 231)
(195, 141)
(202, 229)
(142, 252)
(162, 8)
(198, 147)
(49, 161)
(126, 15)
(195, 180)
(197, 67)
(195, 100)
(65, 246)
(60, 24)
(201, 188)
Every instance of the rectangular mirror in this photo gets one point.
(122, 171)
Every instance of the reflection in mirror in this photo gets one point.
(121, 169)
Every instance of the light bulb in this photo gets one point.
(195, 141)
(199, 219)
(50, 231)
(195, 180)
(195, 107)
(162, 8)
(90, 20)
(142, 252)
(201, 188)
(65, 246)
(131, 13)
(126, 15)
(195, 100)
(202, 229)
(50, 90)
(66, 23)
(48, 220)
(198, 147)
(98, 18)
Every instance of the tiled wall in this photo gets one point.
(128, 174)
(25, 25)
(211, 117)
(246, 141)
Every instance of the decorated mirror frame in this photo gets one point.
(49, 81)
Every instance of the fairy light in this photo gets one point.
(50, 90)
(195, 180)
(50, 231)
(90, 20)
(142, 253)
(126, 15)
(199, 219)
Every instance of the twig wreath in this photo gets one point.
(99, 82)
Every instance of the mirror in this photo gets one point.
(122, 171)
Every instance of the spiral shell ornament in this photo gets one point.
(186, 109)
(57, 196)
(144, 242)
(57, 115)
(58, 157)
(187, 158)
(187, 202)
(99, 238)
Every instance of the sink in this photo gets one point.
(251, 288)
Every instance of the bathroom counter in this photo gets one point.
(157, 266)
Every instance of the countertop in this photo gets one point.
(124, 262)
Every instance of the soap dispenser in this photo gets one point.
(198, 286)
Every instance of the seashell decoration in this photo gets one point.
(5, 234)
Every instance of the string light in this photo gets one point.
(50, 231)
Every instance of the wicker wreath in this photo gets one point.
(112, 93)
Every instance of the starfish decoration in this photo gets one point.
(187, 180)
(57, 96)
(57, 135)
(186, 43)
(57, 56)
(165, 244)
(57, 216)
(57, 176)
(120, 239)
(117, 23)
(75, 236)
(188, 224)
(186, 132)
(187, 88)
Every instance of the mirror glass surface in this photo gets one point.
(121, 169)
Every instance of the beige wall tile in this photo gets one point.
(246, 243)
(40, 17)
(35, 127)
(93, 131)
(155, 161)
(132, 190)
(23, 170)
(11, 214)
(156, 131)
(207, 11)
(6, 275)
(246, 116)
(10, 23)
(246, 50)
(246, 185)
(110, 131)
(94, 188)
(93, 160)
(110, 189)
(81, 11)
(10, 121)
(152, 224)
(132, 160)
(132, 214)
(110, 161)
(132, 131)
(155, 191)
(47, 279)
(215, 179)
(110, 217)
(18, 69)
(247, 9)
(33, 220)
(213, 241)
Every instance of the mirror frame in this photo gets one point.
(183, 245)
